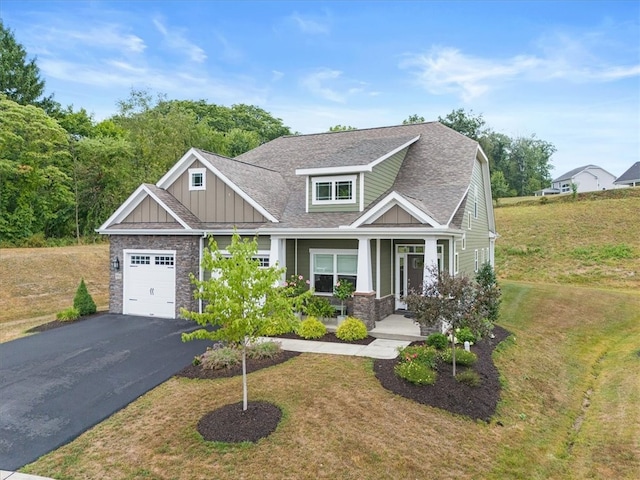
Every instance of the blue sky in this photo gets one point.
(568, 72)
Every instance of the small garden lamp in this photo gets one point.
(115, 264)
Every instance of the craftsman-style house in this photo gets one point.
(375, 206)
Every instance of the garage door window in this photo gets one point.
(140, 260)
(162, 260)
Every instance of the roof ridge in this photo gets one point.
(358, 129)
(236, 160)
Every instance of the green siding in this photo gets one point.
(445, 254)
(338, 207)
(304, 262)
(386, 267)
(291, 257)
(381, 178)
(478, 236)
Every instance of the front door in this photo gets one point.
(410, 271)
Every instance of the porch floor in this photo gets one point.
(397, 327)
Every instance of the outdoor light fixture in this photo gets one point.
(115, 264)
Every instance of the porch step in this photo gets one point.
(396, 336)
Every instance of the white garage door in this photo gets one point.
(150, 284)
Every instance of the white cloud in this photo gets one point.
(448, 70)
(176, 40)
(309, 25)
(316, 84)
(107, 36)
(276, 75)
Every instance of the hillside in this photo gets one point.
(42, 281)
(593, 240)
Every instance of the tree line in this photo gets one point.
(62, 173)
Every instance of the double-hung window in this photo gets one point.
(334, 190)
(330, 266)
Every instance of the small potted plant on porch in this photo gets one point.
(343, 290)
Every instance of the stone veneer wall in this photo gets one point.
(364, 308)
(385, 306)
(187, 261)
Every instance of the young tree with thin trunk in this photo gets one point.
(241, 299)
(456, 301)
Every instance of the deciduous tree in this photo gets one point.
(241, 298)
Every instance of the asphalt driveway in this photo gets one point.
(56, 384)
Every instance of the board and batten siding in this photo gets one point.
(477, 237)
(382, 176)
(148, 211)
(218, 203)
(396, 216)
(386, 268)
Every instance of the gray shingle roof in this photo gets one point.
(570, 174)
(260, 182)
(435, 174)
(174, 204)
(631, 175)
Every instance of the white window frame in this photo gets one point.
(565, 187)
(196, 171)
(464, 241)
(456, 263)
(335, 273)
(334, 180)
(476, 261)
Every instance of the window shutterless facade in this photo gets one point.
(197, 178)
(333, 190)
(330, 266)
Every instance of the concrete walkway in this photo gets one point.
(4, 475)
(379, 348)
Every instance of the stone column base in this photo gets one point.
(364, 308)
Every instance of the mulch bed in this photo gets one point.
(231, 424)
(57, 323)
(478, 403)
(327, 337)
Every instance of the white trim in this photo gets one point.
(378, 268)
(456, 263)
(361, 192)
(386, 204)
(307, 200)
(476, 261)
(464, 241)
(195, 171)
(335, 273)
(354, 168)
(455, 210)
(333, 180)
(130, 205)
(181, 166)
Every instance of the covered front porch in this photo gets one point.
(384, 269)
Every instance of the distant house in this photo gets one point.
(377, 207)
(631, 177)
(590, 178)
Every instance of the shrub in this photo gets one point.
(264, 350)
(468, 377)
(437, 340)
(319, 307)
(421, 354)
(83, 300)
(416, 372)
(311, 327)
(463, 357)
(68, 315)
(465, 334)
(277, 326)
(352, 329)
(220, 357)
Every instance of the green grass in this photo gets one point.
(592, 241)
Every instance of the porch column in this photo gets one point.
(364, 282)
(278, 254)
(430, 259)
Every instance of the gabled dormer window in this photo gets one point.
(197, 178)
(333, 190)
